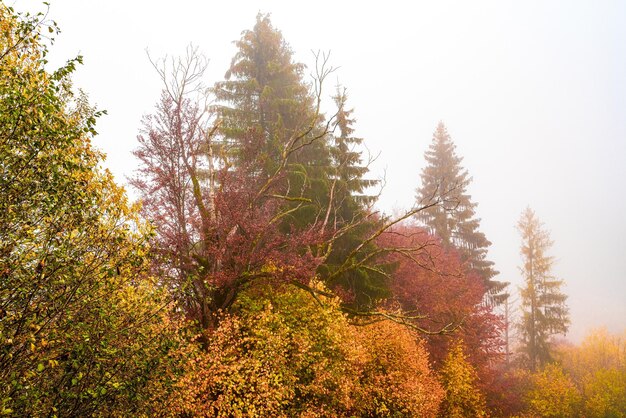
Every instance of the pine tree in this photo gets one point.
(543, 303)
(455, 222)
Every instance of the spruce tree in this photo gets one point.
(545, 312)
(346, 157)
(455, 221)
(263, 105)
(348, 195)
(271, 124)
(265, 99)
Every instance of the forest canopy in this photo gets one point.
(255, 276)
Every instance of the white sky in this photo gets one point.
(533, 93)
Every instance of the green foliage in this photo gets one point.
(265, 93)
(463, 398)
(347, 159)
(363, 285)
(80, 332)
(271, 119)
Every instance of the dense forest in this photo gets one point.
(254, 276)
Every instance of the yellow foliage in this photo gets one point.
(598, 368)
(81, 329)
(463, 398)
(553, 393)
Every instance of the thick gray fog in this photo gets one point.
(533, 94)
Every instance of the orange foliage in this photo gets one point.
(285, 354)
(396, 379)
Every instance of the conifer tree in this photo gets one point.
(270, 116)
(271, 122)
(346, 158)
(265, 93)
(543, 303)
(352, 209)
(455, 221)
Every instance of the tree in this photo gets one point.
(463, 398)
(455, 222)
(82, 329)
(272, 126)
(431, 284)
(544, 312)
(173, 143)
(396, 379)
(350, 211)
(264, 92)
(218, 228)
(283, 353)
(553, 394)
(347, 159)
(598, 368)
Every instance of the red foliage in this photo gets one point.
(431, 280)
(218, 227)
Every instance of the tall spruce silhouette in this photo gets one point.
(455, 221)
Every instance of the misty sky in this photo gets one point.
(533, 94)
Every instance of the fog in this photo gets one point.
(532, 93)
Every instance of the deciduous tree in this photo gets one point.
(553, 394)
(463, 398)
(598, 368)
(431, 284)
(396, 379)
(219, 227)
(81, 327)
(281, 354)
